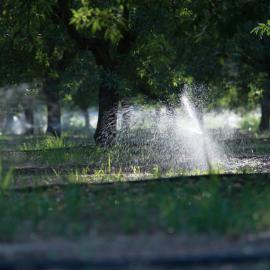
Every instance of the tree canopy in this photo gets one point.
(112, 50)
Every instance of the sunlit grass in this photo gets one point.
(49, 142)
(6, 178)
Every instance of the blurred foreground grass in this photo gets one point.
(210, 205)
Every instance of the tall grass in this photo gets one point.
(49, 142)
(5, 177)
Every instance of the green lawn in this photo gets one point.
(216, 205)
(208, 205)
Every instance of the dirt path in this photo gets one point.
(142, 249)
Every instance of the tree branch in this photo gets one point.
(95, 45)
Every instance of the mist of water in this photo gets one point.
(177, 137)
(203, 149)
(171, 137)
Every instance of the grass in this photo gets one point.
(120, 155)
(207, 205)
(56, 151)
(6, 177)
(49, 142)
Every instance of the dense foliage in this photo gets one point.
(108, 52)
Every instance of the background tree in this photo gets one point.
(248, 55)
(132, 42)
(114, 51)
(80, 83)
(37, 49)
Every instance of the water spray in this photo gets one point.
(199, 128)
(172, 140)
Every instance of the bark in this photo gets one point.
(53, 107)
(265, 114)
(29, 118)
(105, 134)
(265, 107)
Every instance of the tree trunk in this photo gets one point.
(265, 111)
(105, 134)
(29, 118)
(86, 119)
(265, 115)
(53, 107)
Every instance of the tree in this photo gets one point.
(132, 43)
(136, 47)
(35, 48)
(247, 55)
(53, 32)
(262, 29)
(80, 83)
